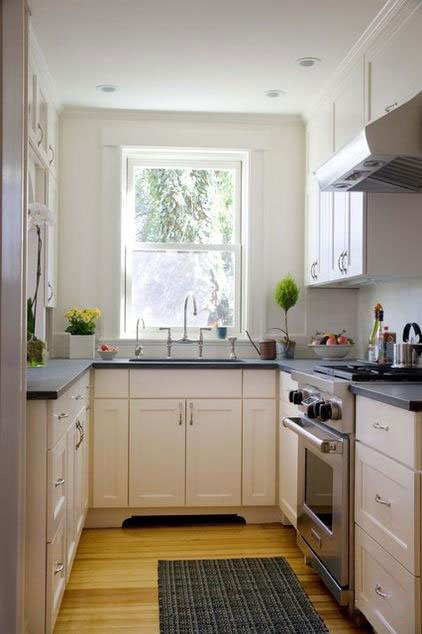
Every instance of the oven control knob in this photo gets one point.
(325, 411)
(314, 409)
(295, 397)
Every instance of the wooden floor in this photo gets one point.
(113, 585)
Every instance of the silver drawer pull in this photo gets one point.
(378, 425)
(62, 415)
(380, 593)
(391, 107)
(78, 397)
(59, 482)
(381, 500)
(59, 568)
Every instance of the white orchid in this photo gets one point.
(39, 214)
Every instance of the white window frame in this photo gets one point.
(173, 158)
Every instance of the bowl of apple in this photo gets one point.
(330, 346)
(106, 352)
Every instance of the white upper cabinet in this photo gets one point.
(318, 212)
(348, 106)
(319, 137)
(347, 251)
(394, 62)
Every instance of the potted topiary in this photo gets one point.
(286, 296)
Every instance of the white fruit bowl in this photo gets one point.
(331, 352)
(107, 355)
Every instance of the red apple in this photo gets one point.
(331, 341)
(343, 341)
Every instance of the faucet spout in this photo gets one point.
(185, 309)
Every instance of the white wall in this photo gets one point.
(278, 206)
(402, 303)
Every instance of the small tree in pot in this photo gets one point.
(286, 296)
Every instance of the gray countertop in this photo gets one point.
(58, 375)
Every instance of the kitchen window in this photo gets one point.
(182, 231)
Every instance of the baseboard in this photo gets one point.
(113, 518)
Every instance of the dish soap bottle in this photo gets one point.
(373, 337)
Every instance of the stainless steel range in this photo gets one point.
(325, 478)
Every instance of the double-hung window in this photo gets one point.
(182, 232)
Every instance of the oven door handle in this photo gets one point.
(324, 446)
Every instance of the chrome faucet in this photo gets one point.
(139, 350)
(185, 308)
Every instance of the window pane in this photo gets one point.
(184, 205)
(161, 279)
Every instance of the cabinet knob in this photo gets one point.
(59, 567)
(378, 425)
(62, 415)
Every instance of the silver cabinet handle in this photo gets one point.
(191, 413)
(59, 568)
(342, 261)
(50, 297)
(39, 127)
(391, 106)
(62, 415)
(339, 262)
(381, 500)
(52, 155)
(380, 593)
(315, 274)
(81, 434)
(324, 446)
(378, 425)
(59, 482)
(78, 397)
(180, 413)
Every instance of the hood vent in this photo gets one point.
(385, 157)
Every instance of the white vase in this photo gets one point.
(81, 346)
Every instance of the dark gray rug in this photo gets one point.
(234, 596)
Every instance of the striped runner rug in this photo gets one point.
(234, 596)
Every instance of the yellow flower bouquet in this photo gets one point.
(82, 321)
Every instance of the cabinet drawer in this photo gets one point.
(391, 430)
(56, 576)
(111, 383)
(56, 487)
(386, 593)
(286, 384)
(387, 505)
(79, 394)
(59, 417)
(259, 383)
(186, 383)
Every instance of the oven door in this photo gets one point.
(323, 494)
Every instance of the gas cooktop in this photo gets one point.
(365, 371)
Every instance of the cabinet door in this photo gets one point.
(50, 252)
(41, 119)
(259, 448)
(288, 446)
(52, 139)
(318, 234)
(394, 61)
(338, 234)
(110, 453)
(354, 260)
(71, 441)
(213, 452)
(56, 487)
(348, 106)
(157, 453)
(319, 137)
(80, 472)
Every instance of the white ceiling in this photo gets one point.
(196, 55)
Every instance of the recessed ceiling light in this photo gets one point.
(274, 93)
(308, 61)
(106, 88)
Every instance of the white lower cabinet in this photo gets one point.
(56, 576)
(110, 455)
(157, 453)
(288, 447)
(386, 593)
(259, 443)
(213, 452)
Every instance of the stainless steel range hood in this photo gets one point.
(385, 157)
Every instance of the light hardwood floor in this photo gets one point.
(113, 585)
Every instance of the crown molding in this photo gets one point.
(233, 118)
(375, 28)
